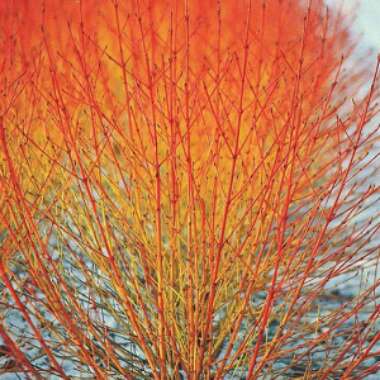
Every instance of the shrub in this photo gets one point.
(181, 183)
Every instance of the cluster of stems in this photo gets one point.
(187, 189)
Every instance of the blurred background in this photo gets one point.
(367, 22)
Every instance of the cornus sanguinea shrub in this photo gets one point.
(186, 187)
